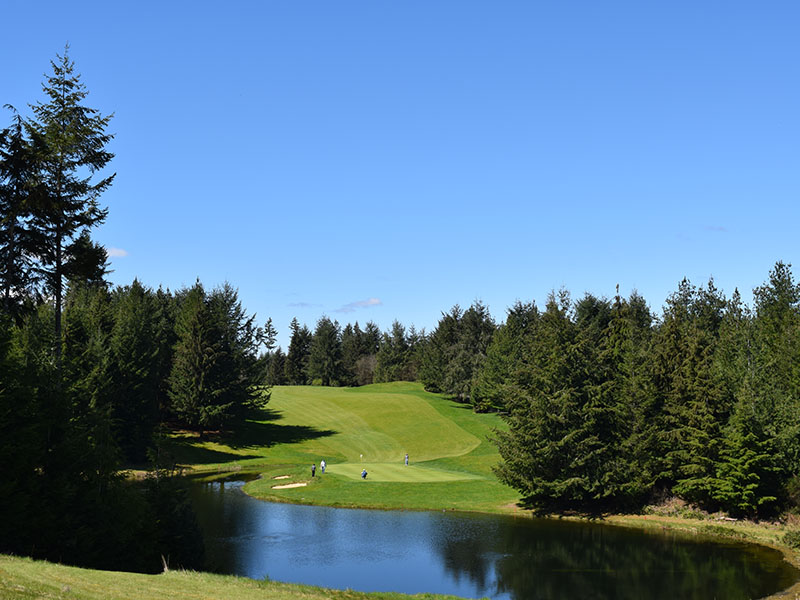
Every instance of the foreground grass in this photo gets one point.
(23, 578)
(352, 429)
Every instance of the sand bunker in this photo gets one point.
(288, 485)
(281, 477)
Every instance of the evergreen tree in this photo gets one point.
(276, 371)
(439, 351)
(627, 347)
(691, 394)
(195, 401)
(214, 370)
(74, 141)
(17, 171)
(454, 353)
(543, 404)
(370, 339)
(351, 352)
(324, 358)
(576, 427)
(777, 362)
(297, 355)
(393, 356)
(503, 356)
(368, 346)
(749, 473)
(134, 345)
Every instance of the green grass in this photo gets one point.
(371, 427)
(23, 578)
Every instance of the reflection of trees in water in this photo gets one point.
(467, 546)
(544, 560)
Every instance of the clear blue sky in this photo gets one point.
(381, 160)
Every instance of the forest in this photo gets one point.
(608, 404)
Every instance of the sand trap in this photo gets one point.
(288, 485)
(281, 477)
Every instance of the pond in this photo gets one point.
(470, 555)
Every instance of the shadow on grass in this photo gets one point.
(187, 452)
(258, 431)
(261, 434)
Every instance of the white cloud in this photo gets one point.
(353, 306)
(116, 252)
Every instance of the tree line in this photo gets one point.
(88, 373)
(333, 355)
(609, 407)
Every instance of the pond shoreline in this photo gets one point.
(747, 532)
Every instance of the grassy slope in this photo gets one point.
(450, 456)
(23, 578)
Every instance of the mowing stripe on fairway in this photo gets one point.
(380, 425)
(397, 473)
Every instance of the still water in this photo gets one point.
(473, 556)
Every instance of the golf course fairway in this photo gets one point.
(355, 429)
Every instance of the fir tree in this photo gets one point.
(17, 174)
(134, 345)
(74, 141)
(503, 357)
(297, 355)
(324, 358)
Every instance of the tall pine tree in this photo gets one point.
(74, 148)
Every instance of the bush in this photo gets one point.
(792, 538)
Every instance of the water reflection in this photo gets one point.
(472, 555)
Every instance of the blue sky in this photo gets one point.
(387, 160)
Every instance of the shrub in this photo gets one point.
(792, 538)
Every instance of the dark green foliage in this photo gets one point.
(71, 142)
(395, 360)
(503, 357)
(82, 390)
(297, 355)
(18, 166)
(87, 261)
(792, 538)
(351, 352)
(214, 364)
(688, 389)
(567, 414)
(276, 368)
(438, 351)
(776, 363)
(453, 354)
(61, 495)
(135, 344)
(325, 353)
(539, 448)
(605, 408)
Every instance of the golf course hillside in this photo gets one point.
(353, 430)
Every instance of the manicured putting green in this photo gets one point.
(396, 473)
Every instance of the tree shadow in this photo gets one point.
(186, 452)
(260, 430)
